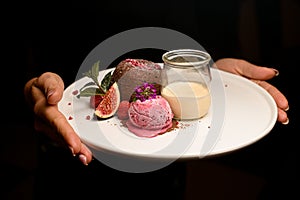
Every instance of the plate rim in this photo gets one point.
(184, 156)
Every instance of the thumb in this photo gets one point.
(246, 69)
(52, 85)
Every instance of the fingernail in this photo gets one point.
(276, 72)
(82, 158)
(49, 93)
(286, 122)
(72, 151)
(287, 108)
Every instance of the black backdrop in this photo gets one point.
(55, 36)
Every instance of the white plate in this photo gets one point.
(241, 114)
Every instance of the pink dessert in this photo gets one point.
(130, 73)
(150, 117)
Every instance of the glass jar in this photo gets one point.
(186, 81)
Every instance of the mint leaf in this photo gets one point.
(93, 74)
(88, 92)
(105, 83)
(88, 84)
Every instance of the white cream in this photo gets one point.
(188, 100)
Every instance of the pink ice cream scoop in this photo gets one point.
(149, 118)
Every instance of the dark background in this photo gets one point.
(54, 36)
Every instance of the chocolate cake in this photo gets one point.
(131, 73)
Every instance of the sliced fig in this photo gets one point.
(110, 103)
(95, 100)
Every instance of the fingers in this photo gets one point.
(52, 85)
(42, 127)
(85, 155)
(44, 93)
(71, 138)
(259, 75)
(246, 69)
(65, 137)
(280, 99)
(59, 124)
(282, 116)
(48, 86)
(58, 129)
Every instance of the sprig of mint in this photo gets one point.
(94, 87)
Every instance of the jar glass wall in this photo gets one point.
(186, 81)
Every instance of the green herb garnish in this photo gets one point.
(94, 87)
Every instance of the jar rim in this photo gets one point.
(186, 57)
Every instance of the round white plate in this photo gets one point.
(241, 114)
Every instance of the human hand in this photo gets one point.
(43, 94)
(259, 75)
